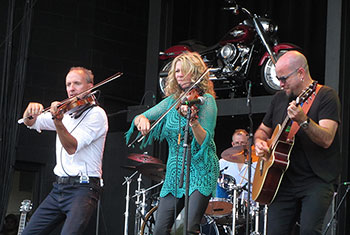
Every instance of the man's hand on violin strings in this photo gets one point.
(33, 110)
(56, 113)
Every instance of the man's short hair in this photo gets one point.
(89, 76)
(240, 132)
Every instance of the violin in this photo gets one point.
(83, 103)
(72, 102)
(139, 138)
(182, 106)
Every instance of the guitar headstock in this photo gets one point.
(26, 206)
(306, 93)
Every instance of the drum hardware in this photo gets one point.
(235, 190)
(127, 200)
(138, 205)
(265, 219)
(144, 158)
(238, 154)
(150, 167)
(141, 205)
(256, 216)
(153, 171)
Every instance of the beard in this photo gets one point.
(291, 96)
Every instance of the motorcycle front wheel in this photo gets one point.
(163, 75)
(268, 77)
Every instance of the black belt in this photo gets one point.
(76, 180)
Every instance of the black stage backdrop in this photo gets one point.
(109, 36)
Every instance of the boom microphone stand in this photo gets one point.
(186, 153)
(249, 153)
(336, 211)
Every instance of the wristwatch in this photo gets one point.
(305, 124)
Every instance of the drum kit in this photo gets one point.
(226, 213)
(151, 168)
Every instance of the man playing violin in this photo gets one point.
(308, 185)
(81, 134)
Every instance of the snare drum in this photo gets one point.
(221, 205)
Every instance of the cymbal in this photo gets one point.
(154, 171)
(143, 158)
(238, 154)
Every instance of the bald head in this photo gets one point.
(292, 60)
(293, 72)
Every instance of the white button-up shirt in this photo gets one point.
(90, 131)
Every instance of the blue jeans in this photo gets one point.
(71, 203)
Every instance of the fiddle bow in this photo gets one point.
(153, 125)
(69, 100)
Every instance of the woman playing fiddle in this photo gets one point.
(204, 169)
(81, 135)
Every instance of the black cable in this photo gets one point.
(71, 133)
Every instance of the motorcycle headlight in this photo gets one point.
(228, 52)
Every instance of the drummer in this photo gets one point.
(236, 164)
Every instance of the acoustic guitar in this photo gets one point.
(269, 173)
(26, 207)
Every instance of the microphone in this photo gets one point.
(199, 100)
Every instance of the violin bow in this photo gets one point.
(153, 125)
(111, 78)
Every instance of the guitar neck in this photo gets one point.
(22, 223)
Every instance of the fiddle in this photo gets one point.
(139, 138)
(182, 106)
(83, 103)
(69, 100)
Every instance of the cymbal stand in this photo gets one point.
(141, 206)
(127, 200)
(138, 205)
(256, 216)
(265, 219)
(236, 189)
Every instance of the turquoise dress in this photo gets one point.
(204, 170)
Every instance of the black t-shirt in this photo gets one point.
(307, 159)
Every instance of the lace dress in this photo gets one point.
(204, 170)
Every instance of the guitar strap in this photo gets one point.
(306, 106)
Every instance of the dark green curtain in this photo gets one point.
(15, 50)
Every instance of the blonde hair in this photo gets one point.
(193, 65)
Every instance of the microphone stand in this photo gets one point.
(336, 211)
(249, 154)
(186, 155)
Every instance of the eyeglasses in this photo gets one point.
(284, 78)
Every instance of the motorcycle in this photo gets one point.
(247, 49)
